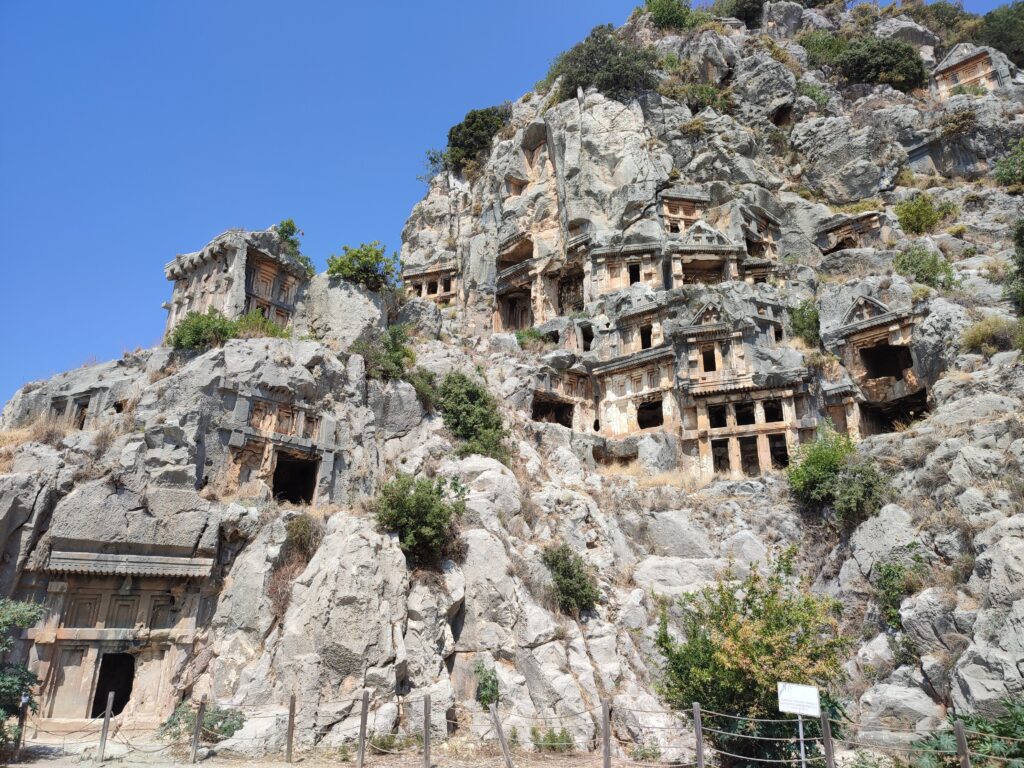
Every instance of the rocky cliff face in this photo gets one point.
(154, 468)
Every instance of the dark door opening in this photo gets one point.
(117, 674)
(779, 451)
(634, 274)
(708, 356)
(772, 410)
(645, 336)
(650, 415)
(744, 414)
(748, 456)
(295, 478)
(720, 455)
(887, 417)
(886, 360)
(588, 337)
(716, 416)
(552, 412)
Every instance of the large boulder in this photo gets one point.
(339, 312)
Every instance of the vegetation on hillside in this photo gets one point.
(617, 68)
(288, 233)
(15, 679)
(424, 513)
(199, 332)
(367, 265)
(740, 637)
(471, 414)
(885, 61)
(574, 587)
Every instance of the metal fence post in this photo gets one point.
(698, 734)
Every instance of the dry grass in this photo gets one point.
(45, 429)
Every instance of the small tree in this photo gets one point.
(827, 473)
(387, 355)
(617, 69)
(882, 60)
(15, 679)
(806, 323)
(368, 265)
(575, 589)
(471, 139)
(471, 413)
(920, 213)
(423, 512)
(740, 640)
(1003, 28)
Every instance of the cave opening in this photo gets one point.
(720, 455)
(886, 360)
(552, 412)
(745, 414)
(779, 451)
(650, 414)
(295, 478)
(881, 418)
(716, 416)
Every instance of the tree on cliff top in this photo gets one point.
(617, 69)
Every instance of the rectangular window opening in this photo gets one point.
(634, 274)
(886, 360)
(650, 414)
(645, 336)
(720, 455)
(717, 416)
(748, 456)
(708, 357)
(779, 451)
(773, 410)
(295, 478)
(552, 412)
(744, 414)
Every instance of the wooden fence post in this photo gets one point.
(426, 730)
(606, 736)
(698, 734)
(961, 745)
(362, 727)
(291, 729)
(106, 726)
(22, 720)
(826, 741)
(501, 737)
(197, 731)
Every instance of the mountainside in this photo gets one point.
(670, 294)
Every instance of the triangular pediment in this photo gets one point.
(702, 233)
(709, 314)
(864, 308)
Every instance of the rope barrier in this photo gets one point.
(914, 750)
(746, 719)
(789, 739)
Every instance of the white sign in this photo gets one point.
(799, 699)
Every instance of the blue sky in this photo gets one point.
(134, 131)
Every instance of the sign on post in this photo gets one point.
(799, 699)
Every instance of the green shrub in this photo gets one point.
(675, 14)
(823, 48)
(425, 384)
(960, 122)
(1003, 29)
(919, 214)
(814, 92)
(740, 639)
(575, 589)
(970, 90)
(646, 753)
(926, 267)
(423, 512)
(991, 335)
(999, 737)
(946, 19)
(471, 413)
(303, 534)
(387, 355)
(617, 68)
(552, 740)
(253, 325)
(893, 582)
(806, 323)
(15, 679)
(882, 60)
(1015, 279)
(368, 265)
(219, 723)
(486, 684)
(747, 11)
(826, 473)
(288, 233)
(1010, 169)
(196, 331)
